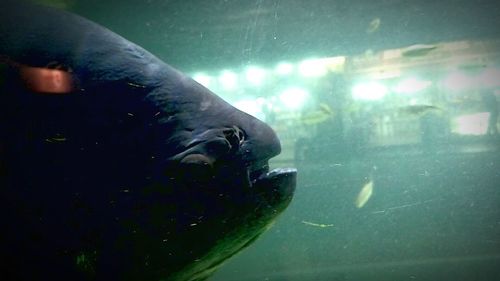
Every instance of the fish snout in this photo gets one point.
(261, 142)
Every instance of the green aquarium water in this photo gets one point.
(388, 109)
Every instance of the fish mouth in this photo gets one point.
(278, 184)
(257, 170)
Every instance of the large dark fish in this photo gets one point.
(114, 165)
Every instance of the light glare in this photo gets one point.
(228, 79)
(294, 98)
(313, 68)
(412, 85)
(203, 79)
(255, 75)
(369, 91)
(472, 124)
(284, 68)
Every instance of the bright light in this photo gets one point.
(369, 91)
(255, 75)
(261, 101)
(251, 107)
(335, 64)
(294, 98)
(284, 68)
(228, 79)
(313, 68)
(458, 81)
(412, 85)
(490, 77)
(203, 79)
(320, 67)
(471, 124)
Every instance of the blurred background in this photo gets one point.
(389, 110)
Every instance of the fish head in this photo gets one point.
(115, 160)
(218, 164)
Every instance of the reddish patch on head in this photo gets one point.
(45, 80)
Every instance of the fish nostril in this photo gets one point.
(241, 136)
(235, 136)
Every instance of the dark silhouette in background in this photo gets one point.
(491, 105)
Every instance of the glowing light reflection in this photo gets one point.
(294, 98)
(369, 91)
(472, 124)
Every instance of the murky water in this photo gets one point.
(399, 95)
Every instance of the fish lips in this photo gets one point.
(277, 185)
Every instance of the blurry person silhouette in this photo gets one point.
(491, 105)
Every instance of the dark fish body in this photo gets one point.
(116, 166)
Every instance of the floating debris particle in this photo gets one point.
(373, 25)
(418, 50)
(322, 113)
(56, 139)
(321, 225)
(364, 195)
(417, 109)
(136, 85)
